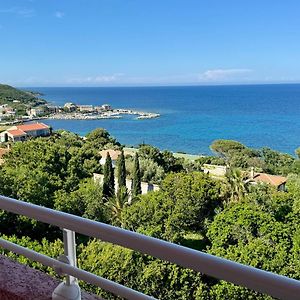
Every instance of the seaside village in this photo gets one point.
(20, 133)
(7, 112)
(70, 110)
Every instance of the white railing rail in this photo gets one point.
(261, 281)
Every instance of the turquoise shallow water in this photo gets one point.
(192, 117)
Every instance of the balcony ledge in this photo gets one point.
(20, 282)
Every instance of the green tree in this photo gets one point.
(224, 147)
(236, 154)
(243, 232)
(150, 152)
(170, 163)
(136, 178)
(150, 171)
(236, 184)
(116, 205)
(195, 197)
(149, 215)
(109, 179)
(86, 201)
(183, 205)
(100, 137)
(121, 170)
(276, 162)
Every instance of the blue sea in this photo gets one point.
(192, 117)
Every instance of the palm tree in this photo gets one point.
(236, 183)
(116, 204)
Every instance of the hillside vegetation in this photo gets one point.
(8, 94)
(256, 225)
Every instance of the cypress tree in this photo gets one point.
(136, 180)
(109, 179)
(121, 170)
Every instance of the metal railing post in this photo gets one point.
(70, 250)
(68, 290)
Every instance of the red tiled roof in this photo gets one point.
(271, 179)
(113, 153)
(32, 127)
(16, 132)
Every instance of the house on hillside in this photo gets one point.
(114, 154)
(278, 181)
(35, 112)
(219, 172)
(6, 112)
(22, 132)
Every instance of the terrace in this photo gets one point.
(265, 282)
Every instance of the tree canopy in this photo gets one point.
(254, 225)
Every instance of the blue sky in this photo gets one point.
(148, 42)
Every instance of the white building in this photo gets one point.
(35, 112)
(70, 106)
(22, 132)
(86, 108)
(114, 154)
(146, 186)
(106, 107)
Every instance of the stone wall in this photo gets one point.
(214, 170)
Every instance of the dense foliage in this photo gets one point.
(255, 225)
(267, 160)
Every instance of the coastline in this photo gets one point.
(112, 114)
(191, 117)
(78, 115)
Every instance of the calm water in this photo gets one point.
(192, 117)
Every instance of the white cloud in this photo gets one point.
(23, 12)
(59, 14)
(224, 74)
(213, 76)
(95, 79)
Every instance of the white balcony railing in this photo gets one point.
(261, 281)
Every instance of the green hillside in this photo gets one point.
(8, 94)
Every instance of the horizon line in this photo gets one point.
(157, 85)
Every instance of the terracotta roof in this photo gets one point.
(114, 154)
(271, 179)
(31, 127)
(3, 151)
(16, 132)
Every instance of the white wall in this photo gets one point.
(146, 187)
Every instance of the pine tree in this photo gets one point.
(109, 179)
(136, 180)
(121, 169)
